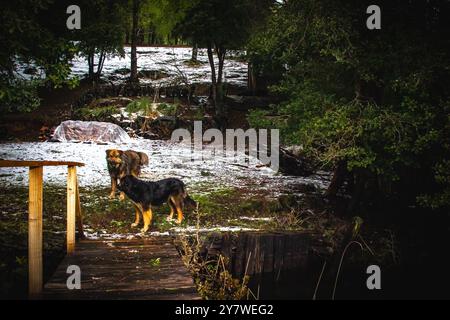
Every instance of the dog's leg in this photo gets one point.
(138, 215)
(113, 188)
(179, 207)
(147, 215)
(173, 208)
(122, 194)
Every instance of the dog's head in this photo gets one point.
(125, 183)
(114, 157)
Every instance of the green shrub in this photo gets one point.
(96, 114)
(141, 105)
(18, 95)
(168, 109)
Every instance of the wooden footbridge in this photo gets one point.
(124, 269)
(149, 268)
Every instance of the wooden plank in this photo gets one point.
(125, 269)
(278, 263)
(20, 163)
(241, 256)
(35, 270)
(71, 207)
(250, 265)
(269, 253)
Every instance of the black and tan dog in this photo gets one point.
(147, 194)
(123, 163)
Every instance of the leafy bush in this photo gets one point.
(382, 113)
(96, 114)
(168, 109)
(141, 105)
(18, 95)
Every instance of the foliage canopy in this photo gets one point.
(375, 101)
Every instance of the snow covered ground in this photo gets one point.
(169, 60)
(167, 159)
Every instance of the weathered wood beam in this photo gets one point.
(19, 163)
(35, 270)
(71, 207)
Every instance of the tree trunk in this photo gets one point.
(151, 36)
(221, 55)
(339, 175)
(358, 190)
(220, 112)
(101, 61)
(195, 53)
(91, 65)
(127, 34)
(251, 84)
(213, 73)
(134, 38)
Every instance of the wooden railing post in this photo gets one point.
(36, 169)
(71, 207)
(35, 271)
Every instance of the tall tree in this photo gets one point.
(221, 26)
(367, 103)
(102, 34)
(34, 33)
(136, 4)
(166, 14)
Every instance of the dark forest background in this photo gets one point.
(372, 106)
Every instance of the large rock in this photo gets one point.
(90, 131)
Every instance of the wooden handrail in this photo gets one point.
(20, 163)
(35, 205)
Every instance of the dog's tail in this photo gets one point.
(143, 158)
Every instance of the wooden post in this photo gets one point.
(71, 208)
(35, 271)
(79, 215)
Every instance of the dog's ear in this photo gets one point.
(108, 152)
(120, 152)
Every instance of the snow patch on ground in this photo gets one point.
(103, 235)
(167, 159)
(256, 219)
(168, 60)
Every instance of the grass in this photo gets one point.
(232, 207)
(14, 238)
(228, 206)
(155, 262)
(96, 114)
(114, 216)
